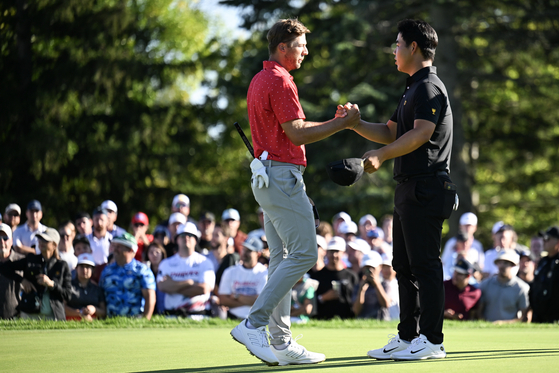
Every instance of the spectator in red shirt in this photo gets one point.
(461, 298)
(140, 225)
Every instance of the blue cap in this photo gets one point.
(34, 205)
(99, 210)
(373, 233)
(254, 243)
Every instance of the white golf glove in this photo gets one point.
(259, 176)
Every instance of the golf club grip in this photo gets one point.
(245, 140)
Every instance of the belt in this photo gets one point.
(270, 163)
(418, 176)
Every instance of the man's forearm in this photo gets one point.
(376, 132)
(149, 305)
(302, 132)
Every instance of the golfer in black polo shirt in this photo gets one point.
(419, 137)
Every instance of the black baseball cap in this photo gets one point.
(464, 267)
(345, 172)
(550, 232)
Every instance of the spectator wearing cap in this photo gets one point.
(336, 284)
(338, 219)
(366, 224)
(390, 284)
(370, 299)
(187, 278)
(504, 297)
(46, 280)
(461, 298)
(140, 225)
(544, 291)
(468, 226)
(375, 238)
(206, 226)
(24, 240)
(9, 288)
(220, 247)
(232, 218)
(128, 285)
(347, 230)
(321, 248)
(12, 215)
(462, 249)
(67, 233)
(175, 220)
(112, 213)
(83, 223)
(161, 235)
(356, 250)
(181, 203)
(87, 301)
(241, 284)
(100, 238)
(503, 238)
(526, 266)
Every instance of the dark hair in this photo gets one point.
(159, 246)
(285, 31)
(422, 33)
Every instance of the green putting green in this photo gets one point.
(190, 347)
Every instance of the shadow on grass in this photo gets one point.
(355, 361)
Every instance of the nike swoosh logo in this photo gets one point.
(415, 352)
(387, 351)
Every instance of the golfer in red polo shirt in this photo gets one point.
(279, 132)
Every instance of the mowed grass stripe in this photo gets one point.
(489, 349)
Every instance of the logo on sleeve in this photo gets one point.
(434, 111)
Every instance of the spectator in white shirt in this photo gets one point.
(241, 284)
(24, 236)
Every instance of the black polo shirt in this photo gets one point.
(425, 98)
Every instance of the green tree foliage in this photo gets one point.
(95, 105)
(499, 61)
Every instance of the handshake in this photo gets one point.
(351, 113)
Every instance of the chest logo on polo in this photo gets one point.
(405, 102)
(433, 111)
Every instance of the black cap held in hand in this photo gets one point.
(345, 172)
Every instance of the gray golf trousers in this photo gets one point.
(290, 231)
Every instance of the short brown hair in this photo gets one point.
(285, 31)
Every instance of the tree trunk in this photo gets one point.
(443, 20)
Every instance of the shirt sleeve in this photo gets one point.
(429, 103)
(148, 279)
(208, 276)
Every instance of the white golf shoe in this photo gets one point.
(255, 341)
(394, 344)
(421, 349)
(295, 354)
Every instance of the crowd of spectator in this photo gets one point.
(91, 268)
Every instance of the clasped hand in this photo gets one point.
(351, 113)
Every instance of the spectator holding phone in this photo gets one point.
(370, 299)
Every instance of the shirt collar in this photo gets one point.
(273, 65)
(420, 74)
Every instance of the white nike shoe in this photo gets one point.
(421, 349)
(295, 354)
(256, 342)
(394, 344)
